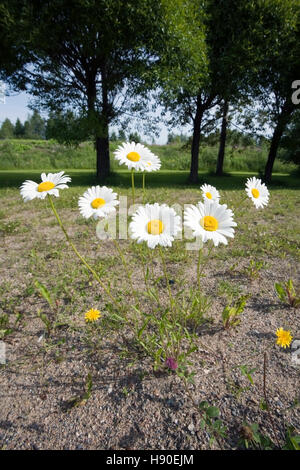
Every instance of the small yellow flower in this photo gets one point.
(284, 338)
(92, 315)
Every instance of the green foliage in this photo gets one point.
(254, 268)
(232, 311)
(67, 128)
(210, 421)
(247, 372)
(43, 155)
(252, 438)
(290, 142)
(44, 292)
(19, 129)
(287, 293)
(5, 330)
(292, 440)
(134, 137)
(80, 400)
(7, 130)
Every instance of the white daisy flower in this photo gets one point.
(50, 184)
(152, 163)
(257, 191)
(135, 156)
(97, 202)
(155, 224)
(210, 221)
(210, 192)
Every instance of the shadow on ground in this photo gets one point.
(233, 181)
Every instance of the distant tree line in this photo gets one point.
(33, 128)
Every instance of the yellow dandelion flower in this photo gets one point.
(284, 338)
(92, 315)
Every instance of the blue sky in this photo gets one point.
(15, 106)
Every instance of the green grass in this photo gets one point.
(44, 155)
(163, 178)
(267, 238)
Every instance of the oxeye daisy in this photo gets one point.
(155, 224)
(97, 202)
(135, 156)
(284, 338)
(210, 192)
(257, 191)
(210, 221)
(92, 315)
(152, 163)
(50, 184)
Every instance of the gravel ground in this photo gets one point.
(131, 406)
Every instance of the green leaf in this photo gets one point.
(280, 291)
(213, 411)
(44, 292)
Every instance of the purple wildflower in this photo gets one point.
(171, 363)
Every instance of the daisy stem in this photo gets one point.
(204, 264)
(78, 254)
(144, 177)
(198, 266)
(128, 273)
(132, 184)
(166, 277)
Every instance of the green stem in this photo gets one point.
(204, 264)
(166, 277)
(128, 273)
(198, 267)
(144, 193)
(79, 255)
(132, 184)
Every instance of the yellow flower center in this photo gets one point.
(208, 195)
(209, 223)
(45, 186)
(255, 193)
(155, 227)
(98, 202)
(133, 156)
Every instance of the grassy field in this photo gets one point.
(54, 358)
(43, 155)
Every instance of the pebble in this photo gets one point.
(191, 428)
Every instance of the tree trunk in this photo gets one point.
(221, 153)
(102, 135)
(277, 134)
(102, 149)
(193, 177)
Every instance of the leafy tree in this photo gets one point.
(89, 60)
(7, 130)
(212, 48)
(66, 128)
(235, 46)
(290, 142)
(19, 129)
(134, 137)
(37, 125)
(113, 137)
(122, 135)
(279, 69)
(183, 76)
